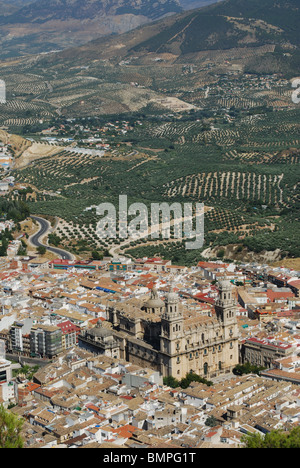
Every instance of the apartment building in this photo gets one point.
(45, 340)
(70, 334)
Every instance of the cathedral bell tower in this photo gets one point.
(226, 309)
(171, 324)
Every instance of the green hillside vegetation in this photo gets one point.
(283, 14)
(10, 429)
(275, 439)
(246, 173)
(207, 100)
(227, 24)
(14, 210)
(194, 33)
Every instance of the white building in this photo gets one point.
(6, 386)
(8, 391)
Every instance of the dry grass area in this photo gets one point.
(18, 144)
(231, 252)
(293, 263)
(48, 255)
(36, 151)
(26, 151)
(28, 227)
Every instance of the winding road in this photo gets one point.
(44, 228)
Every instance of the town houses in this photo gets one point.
(107, 341)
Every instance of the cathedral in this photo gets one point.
(165, 336)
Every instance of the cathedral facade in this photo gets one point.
(165, 336)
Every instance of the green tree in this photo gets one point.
(211, 421)
(54, 239)
(274, 439)
(41, 250)
(186, 381)
(97, 255)
(171, 382)
(3, 247)
(247, 368)
(10, 430)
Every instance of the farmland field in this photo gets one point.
(246, 174)
(201, 129)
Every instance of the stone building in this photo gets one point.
(103, 339)
(165, 336)
(264, 352)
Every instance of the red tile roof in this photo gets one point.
(68, 327)
(273, 295)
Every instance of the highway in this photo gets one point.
(44, 228)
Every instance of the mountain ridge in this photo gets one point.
(41, 11)
(46, 25)
(204, 29)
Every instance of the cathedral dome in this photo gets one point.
(154, 301)
(100, 331)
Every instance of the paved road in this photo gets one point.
(35, 239)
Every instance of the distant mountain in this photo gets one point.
(267, 31)
(229, 24)
(44, 25)
(222, 26)
(43, 11)
(169, 63)
(7, 7)
(192, 4)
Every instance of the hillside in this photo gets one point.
(270, 28)
(8, 7)
(192, 4)
(194, 107)
(229, 24)
(45, 25)
(170, 64)
(42, 11)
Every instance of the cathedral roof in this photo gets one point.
(100, 331)
(154, 301)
